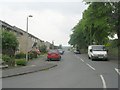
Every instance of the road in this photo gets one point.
(73, 71)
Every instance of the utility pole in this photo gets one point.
(27, 38)
(53, 44)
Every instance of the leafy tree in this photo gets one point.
(99, 21)
(60, 46)
(0, 42)
(43, 48)
(9, 43)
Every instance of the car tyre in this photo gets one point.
(48, 59)
(88, 57)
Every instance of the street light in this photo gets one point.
(27, 38)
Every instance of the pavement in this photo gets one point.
(32, 66)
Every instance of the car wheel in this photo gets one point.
(106, 59)
(48, 59)
(88, 57)
(92, 59)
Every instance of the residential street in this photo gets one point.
(73, 71)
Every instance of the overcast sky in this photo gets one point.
(51, 21)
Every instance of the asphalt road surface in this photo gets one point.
(73, 71)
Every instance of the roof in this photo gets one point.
(14, 28)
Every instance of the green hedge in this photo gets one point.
(21, 62)
(20, 55)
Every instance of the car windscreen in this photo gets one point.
(98, 48)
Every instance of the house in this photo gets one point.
(27, 41)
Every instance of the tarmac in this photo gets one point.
(32, 66)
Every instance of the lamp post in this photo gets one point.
(53, 44)
(27, 38)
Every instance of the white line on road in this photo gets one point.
(103, 81)
(117, 71)
(82, 60)
(90, 66)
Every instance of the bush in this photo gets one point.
(9, 43)
(21, 62)
(6, 58)
(32, 54)
(43, 49)
(20, 55)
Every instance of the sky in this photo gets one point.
(52, 20)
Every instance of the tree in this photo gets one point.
(43, 48)
(0, 42)
(99, 21)
(60, 46)
(9, 43)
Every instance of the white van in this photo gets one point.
(97, 52)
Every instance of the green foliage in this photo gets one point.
(21, 62)
(95, 26)
(32, 54)
(20, 55)
(60, 46)
(6, 58)
(9, 43)
(0, 41)
(43, 49)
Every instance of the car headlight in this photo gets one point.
(105, 54)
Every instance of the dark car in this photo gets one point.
(61, 51)
(77, 51)
(53, 55)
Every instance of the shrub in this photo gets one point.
(21, 62)
(20, 55)
(6, 58)
(43, 49)
(9, 43)
(32, 54)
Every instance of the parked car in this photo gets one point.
(97, 52)
(3, 65)
(77, 51)
(61, 51)
(53, 55)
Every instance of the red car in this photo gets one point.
(53, 55)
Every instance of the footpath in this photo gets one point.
(32, 66)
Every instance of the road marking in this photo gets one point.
(117, 71)
(103, 81)
(82, 60)
(90, 66)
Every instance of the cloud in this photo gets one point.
(53, 21)
(50, 25)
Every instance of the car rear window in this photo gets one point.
(53, 51)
